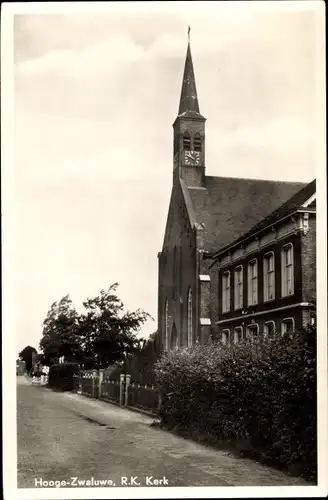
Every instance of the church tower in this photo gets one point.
(189, 132)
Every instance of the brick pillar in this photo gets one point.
(94, 376)
(127, 383)
(122, 379)
(100, 381)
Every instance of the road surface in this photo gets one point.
(70, 440)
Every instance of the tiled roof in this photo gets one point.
(287, 208)
(229, 207)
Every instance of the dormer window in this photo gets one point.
(197, 143)
(186, 141)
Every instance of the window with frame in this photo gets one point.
(252, 332)
(287, 270)
(252, 283)
(189, 319)
(197, 143)
(186, 141)
(226, 291)
(166, 325)
(225, 337)
(238, 287)
(269, 329)
(268, 277)
(238, 334)
(287, 325)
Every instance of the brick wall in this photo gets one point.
(175, 279)
(309, 261)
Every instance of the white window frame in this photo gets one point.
(271, 322)
(227, 333)
(252, 326)
(251, 281)
(284, 321)
(189, 318)
(266, 274)
(226, 299)
(235, 334)
(239, 288)
(166, 315)
(284, 284)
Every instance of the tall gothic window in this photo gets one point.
(189, 325)
(166, 325)
(176, 271)
(197, 143)
(186, 141)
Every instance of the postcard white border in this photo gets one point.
(8, 301)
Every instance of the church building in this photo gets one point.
(205, 214)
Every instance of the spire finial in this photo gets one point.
(188, 99)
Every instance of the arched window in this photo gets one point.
(174, 270)
(186, 141)
(189, 325)
(174, 337)
(166, 325)
(238, 334)
(225, 337)
(197, 143)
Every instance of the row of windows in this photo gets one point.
(189, 321)
(287, 280)
(253, 331)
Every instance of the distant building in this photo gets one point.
(207, 214)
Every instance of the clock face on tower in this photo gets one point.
(192, 157)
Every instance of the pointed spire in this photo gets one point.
(188, 99)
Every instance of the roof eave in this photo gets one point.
(254, 235)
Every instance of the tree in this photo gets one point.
(106, 333)
(59, 335)
(102, 335)
(27, 355)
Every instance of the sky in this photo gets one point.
(95, 96)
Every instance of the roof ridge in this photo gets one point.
(255, 179)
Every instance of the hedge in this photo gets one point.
(261, 397)
(61, 376)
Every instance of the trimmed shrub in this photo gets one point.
(61, 376)
(259, 397)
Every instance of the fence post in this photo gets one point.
(127, 383)
(100, 381)
(94, 376)
(79, 389)
(122, 378)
